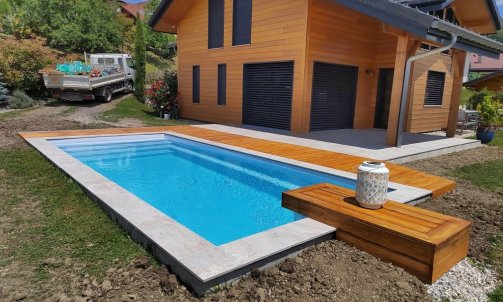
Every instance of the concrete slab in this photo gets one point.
(368, 143)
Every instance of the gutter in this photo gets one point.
(406, 81)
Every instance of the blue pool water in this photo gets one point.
(221, 195)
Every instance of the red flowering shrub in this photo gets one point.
(163, 94)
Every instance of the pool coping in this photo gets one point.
(196, 261)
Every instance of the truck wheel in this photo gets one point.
(107, 95)
(130, 87)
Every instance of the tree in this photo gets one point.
(71, 26)
(156, 41)
(139, 55)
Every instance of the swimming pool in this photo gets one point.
(221, 195)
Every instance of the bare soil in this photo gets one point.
(468, 201)
(331, 271)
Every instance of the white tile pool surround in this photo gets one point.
(197, 262)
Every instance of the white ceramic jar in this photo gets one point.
(372, 185)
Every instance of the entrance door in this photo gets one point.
(384, 86)
(333, 96)
(267, 94)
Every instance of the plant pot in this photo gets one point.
(372, 185)
(485, 134)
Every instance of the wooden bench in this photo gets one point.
(425, 243)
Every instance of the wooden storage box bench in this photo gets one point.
(425, 243)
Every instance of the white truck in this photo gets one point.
(99, 84)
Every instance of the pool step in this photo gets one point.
(425, 243)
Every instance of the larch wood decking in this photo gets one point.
(349, 163)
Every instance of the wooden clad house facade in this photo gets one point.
(309, 65)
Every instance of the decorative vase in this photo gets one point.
(485, 134)
(372, 185)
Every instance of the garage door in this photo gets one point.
(333, 97)
(267, 94)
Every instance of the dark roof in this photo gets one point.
(163, 6)
(483, 78)
(424, 25)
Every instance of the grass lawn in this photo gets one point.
(51, 217)
(498, 139)
(488, 175)
(131, 108)
(156, 67)
(14, 113)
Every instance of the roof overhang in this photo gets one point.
(473, 83)
(168, 15)
(424, 26)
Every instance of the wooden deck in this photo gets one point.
(425, 243)
(339, 161)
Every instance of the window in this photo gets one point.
(215, 23)
(241, 22)
(222, 84)
(130, 63)
(425, 46)
(434, 88)
(195, 84)
(107, 61)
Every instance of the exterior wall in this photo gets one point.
(423, 118)
(303, 31)
(278, 34)
(342, 36)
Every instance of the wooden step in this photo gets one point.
(425, 243)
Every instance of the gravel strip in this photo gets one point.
(464, 282)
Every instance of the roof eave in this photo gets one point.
(156, 16)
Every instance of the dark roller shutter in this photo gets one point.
(333, 96)
(267, 94)
(434, 88)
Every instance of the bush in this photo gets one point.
(4, 92)
(20, 62)
(489, 114)
(20, 100)
(477, 97)
(163, 94)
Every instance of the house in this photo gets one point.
(490, 72)
(491, 81)
(485, 65)
(132, 10)
(310, 65)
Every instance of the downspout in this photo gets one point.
(406, 80)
